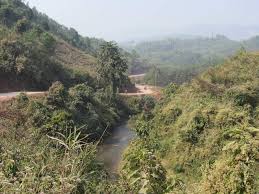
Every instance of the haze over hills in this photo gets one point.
(142, 20)
(232, 31)
(180, 59)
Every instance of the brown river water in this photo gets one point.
(111, 150)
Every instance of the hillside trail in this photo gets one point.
(139, 91)
(142, 90)
(10, 95)
(137, 75)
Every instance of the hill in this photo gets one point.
(33, 44)
(179, 60)
(48, 143)
(74, 58)
(206, 132)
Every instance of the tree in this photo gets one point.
(22, 25)
(111, 66)
(45, 25)
(74, 36)
(81, 95)
(7, 15)
(48, 41)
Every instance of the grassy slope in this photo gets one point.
(207, 131)
(73, 58)
(72, 50)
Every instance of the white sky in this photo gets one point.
(130, 19)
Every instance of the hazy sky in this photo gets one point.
(132, 19)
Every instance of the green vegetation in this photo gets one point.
(111, 67)
(180, 60)
(49, 143)
(32, 53)
(201, 137)
(26, 61)
(47, 147)
(35, 51)
(136, 63)
(15, 12)
(205, 133)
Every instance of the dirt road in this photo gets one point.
(142, 90)
(137, 75)
(10, 95)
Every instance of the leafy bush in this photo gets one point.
(57, 96)
(48, 41)
(169, 90)
(60, 122)
(143, 171)
(142, 128)
(147, 103)
(172, 115)
(195, 128)
(179, 168)
(22, 25)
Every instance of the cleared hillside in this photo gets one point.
(73, 58)
(36, 51)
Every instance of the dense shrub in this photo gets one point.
(144, 171)
(169, 90)
(243, 99)
(147, 103)
(50, 165)
(172, 115)
(22, 25)
(57, 96)
(45, 149)
(195, 128)
(206, 132)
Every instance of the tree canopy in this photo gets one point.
(112, 67)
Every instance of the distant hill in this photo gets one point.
(233, 31)
(176, 56)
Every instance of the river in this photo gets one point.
(111, 150)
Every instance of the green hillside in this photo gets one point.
(201, 137)
(205, 133)
(179, 60)
(36, 51)
(48, 143)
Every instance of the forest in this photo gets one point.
(180, 59)
(199, 134)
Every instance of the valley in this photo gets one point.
(166, 115)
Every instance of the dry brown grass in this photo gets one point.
(255, 53)
(74, 58)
